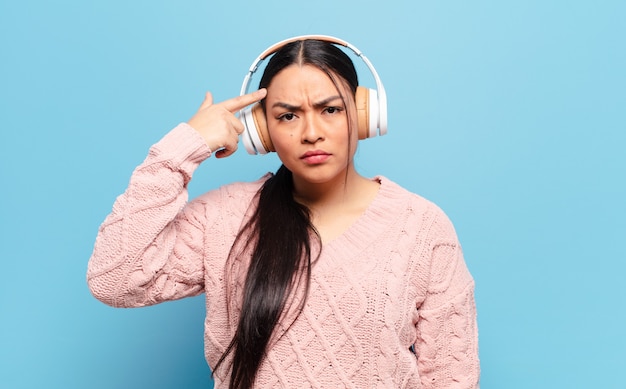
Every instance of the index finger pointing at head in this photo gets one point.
(240, 102)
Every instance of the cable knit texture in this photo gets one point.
(391, 303)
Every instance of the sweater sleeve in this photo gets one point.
(447, 333)
(149, 249)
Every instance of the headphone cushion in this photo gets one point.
(367, 112)
(260, 123)
(362, 111)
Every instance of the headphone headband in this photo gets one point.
(274, 48)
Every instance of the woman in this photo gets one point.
(315, 276)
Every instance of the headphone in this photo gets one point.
(371, 104)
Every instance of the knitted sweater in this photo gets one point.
(390, 303)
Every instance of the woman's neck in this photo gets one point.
(343, 188)
(334, 206)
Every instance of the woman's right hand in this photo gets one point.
(218, 124)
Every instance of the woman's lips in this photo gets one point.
(315, 157)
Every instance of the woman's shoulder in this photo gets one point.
(409, 202)
(395, 192)
(228, 204)
(235, 191)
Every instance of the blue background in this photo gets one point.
(509, 115)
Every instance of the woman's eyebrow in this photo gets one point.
(319, 104)
(325, 102)
(286, 106)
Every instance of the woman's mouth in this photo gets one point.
(315, 157)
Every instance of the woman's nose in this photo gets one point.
(312, 131)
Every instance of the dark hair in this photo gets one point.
(281, 230)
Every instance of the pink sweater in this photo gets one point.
(394, 279)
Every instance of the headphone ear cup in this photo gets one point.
(367, 112)
(261, 126)
(362, 111)
(255, 135)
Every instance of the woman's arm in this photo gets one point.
(150, 248)
(447, 333)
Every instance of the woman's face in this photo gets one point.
(308, 124)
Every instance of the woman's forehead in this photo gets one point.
(297, 81)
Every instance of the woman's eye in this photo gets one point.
(286, 117)
(332, 110)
